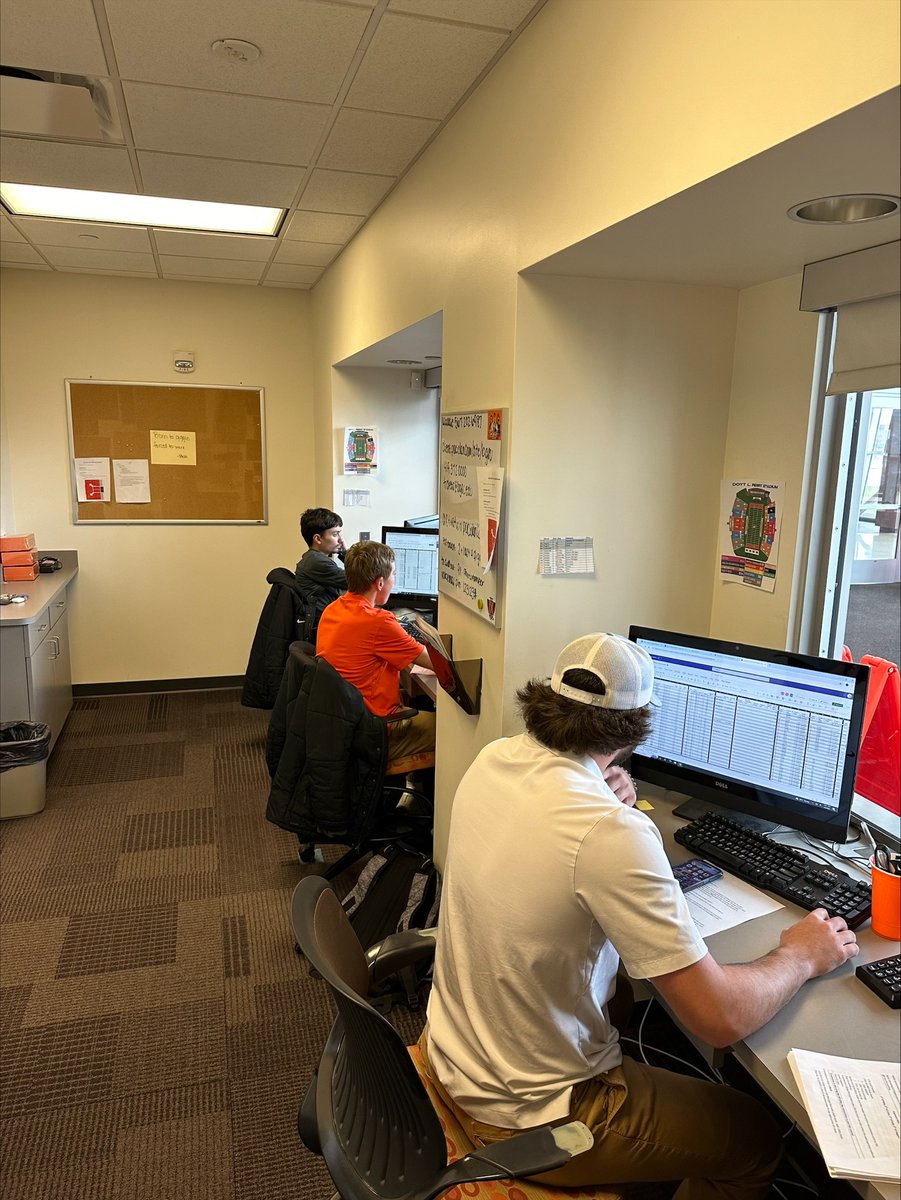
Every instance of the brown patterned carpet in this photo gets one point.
(157, 1027)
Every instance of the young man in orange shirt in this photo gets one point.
(366, 644)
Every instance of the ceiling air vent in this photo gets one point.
(43, 104)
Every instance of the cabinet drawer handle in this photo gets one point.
(60, 604)
(54, 642)
(42, 627)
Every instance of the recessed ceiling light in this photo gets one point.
(845, 210)
(405, 362)
(118, 208)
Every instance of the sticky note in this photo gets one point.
(644, 805)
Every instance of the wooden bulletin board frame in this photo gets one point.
(223, 477)
(470, 440)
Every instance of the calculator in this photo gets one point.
(884, 978)
(695, 873)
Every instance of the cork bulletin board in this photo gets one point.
(166, 453)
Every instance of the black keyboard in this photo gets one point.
(884, 978)
(780, 869)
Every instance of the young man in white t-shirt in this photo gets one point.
(552, 878)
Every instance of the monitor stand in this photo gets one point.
(691, 809)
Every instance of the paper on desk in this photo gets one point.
(855, 1109)
(727, 903)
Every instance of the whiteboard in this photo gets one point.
(470, 440)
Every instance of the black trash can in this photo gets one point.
(24, 749)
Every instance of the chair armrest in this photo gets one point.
(400, 714)
(400, 950)
(526, 1154)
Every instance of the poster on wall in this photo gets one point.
(361, 450)
(473, 453)
(750, 518)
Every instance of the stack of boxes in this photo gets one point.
(18, 557)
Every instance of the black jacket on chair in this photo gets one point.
(276, 630)
(327, 754)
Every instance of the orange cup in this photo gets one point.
(886, 919)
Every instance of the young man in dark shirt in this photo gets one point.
(319, 576)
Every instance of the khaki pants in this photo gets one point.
(411, 744)
(655, 1125)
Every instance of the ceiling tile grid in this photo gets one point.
(341, 99)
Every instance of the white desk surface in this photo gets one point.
(835, 1014)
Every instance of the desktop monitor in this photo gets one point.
(416, 552)
(767, 733)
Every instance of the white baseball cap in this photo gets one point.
(624, 668)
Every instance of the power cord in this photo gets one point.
(713, 1075)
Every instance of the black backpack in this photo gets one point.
(399, 888)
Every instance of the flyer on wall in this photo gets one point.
(750, 519)
(361, 445)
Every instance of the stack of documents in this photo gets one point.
(855, 1109)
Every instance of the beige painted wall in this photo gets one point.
(775, 350)
(166, 601)
(406, 484)
(622, 405)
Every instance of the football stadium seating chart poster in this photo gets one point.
(750, 517)
(473, 452)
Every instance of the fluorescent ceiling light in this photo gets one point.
(117, 208)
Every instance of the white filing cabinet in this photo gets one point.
(35, 674)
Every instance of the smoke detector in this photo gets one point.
(235, 50)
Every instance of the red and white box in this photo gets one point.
(18, 558)
(10, 573)
(17, 541)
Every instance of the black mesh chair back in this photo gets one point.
(367, 1111)
(377, 1130)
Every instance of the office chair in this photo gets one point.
(382, 1130)
(328, 758)
(276, 629)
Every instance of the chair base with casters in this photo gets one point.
(384, 1135)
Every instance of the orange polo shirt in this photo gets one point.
(368, 646)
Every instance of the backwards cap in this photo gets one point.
(625, 669)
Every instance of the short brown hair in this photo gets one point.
(364, 563)
(572, 727)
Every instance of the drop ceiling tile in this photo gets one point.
(8, 231)
(213, 245)
(186, 121)
(218, 179)
(17, 266)
(307, 46)
(131, 273)
(60, 164)
(288, 273)
(19, 252)
(310, 254)
(85, 235)
(421, 67)
(279, 283)
(322, 227)
(48, 36)
(344, 192)
(110, 260)
(501, 14)
(379, 143)
(208, 279)
(209, 268)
